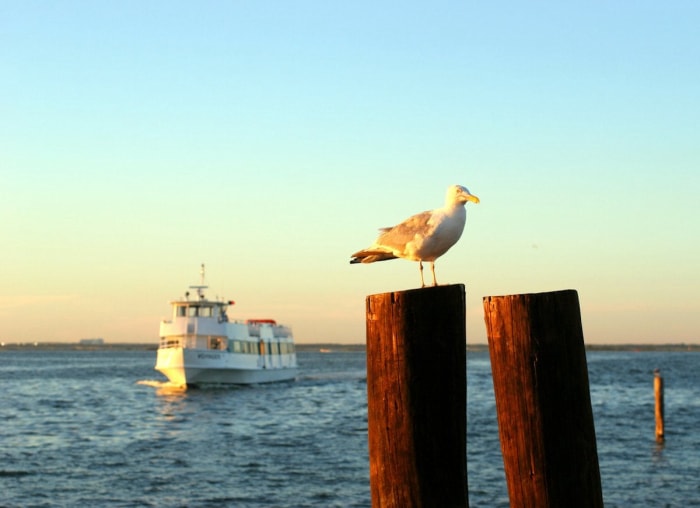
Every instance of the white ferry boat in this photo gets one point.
(199, 344)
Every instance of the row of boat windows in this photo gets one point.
(195, 311)
(253, 348)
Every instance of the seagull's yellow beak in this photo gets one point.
(472, 198)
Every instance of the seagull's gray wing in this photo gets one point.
(399, 236)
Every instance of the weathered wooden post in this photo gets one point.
(545, 418)
(416, 397)
(659, 405)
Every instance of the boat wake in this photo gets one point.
(162, 387)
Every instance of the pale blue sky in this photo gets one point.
(270, 140)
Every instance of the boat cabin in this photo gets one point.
(200, 309)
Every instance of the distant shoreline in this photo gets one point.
(323, 347)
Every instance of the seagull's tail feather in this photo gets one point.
(370, 256)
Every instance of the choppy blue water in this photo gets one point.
(100, 428)
(635, 470)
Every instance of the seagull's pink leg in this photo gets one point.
(432, 269)
(420, 266)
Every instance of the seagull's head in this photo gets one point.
(457, 194)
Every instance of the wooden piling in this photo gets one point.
(659, 405)
(416, 397)
(543, 401)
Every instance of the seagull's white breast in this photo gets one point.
(446, 229)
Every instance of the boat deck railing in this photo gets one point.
(277, 346)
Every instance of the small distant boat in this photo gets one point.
(92, 342)
(199, 344)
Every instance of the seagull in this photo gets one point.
(423, 237)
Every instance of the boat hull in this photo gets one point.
(190, 367)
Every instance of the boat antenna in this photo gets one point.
(201, 285)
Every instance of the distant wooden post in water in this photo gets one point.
(545, 419)
(416, 397)
(659, 406)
